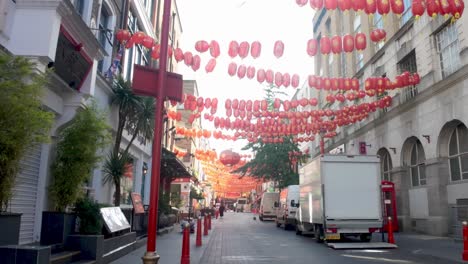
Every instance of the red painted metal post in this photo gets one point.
(185, 257)
(209, 221)
(391, 238)
(151, 255)
(199, 231)
(205, 225)
(465, 241)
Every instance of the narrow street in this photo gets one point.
(240, 239)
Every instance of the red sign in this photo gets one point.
(145, 81)
(362, 148)
(181, 180)
(137, 204)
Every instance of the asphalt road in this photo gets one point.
(240, 239)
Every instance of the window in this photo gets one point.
(79, 6)
(448, 49)
(417, 166)
(102, 35)
(407, 13)
(408, 63)
(136, 54)
(378, 23)
(358, 55)
(458, 153)
(330, 65)
(385, 165)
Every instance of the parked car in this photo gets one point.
(267, 205)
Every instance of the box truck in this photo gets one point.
(267, 205)
(340, 196)
(287, 206)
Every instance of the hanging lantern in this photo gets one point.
(256, 49)
(312, 80)
(261, 75)
(326, 83)
(457, 8)
(277, 103)
(135, 39)
(334, 84)
(312, 47)
(196, 61)
(179, 55)
(269, 76)
(371, 7)
(232, 68)
(244, 49)
(313, 101)
(344, 5)
(155, 52)
(201, 46)
(445, 7)
(147, 42)
(320, 83)
(340, 97)
(418, 8)
(375, 35)
(295, 81)
(278, 79)
(229, 158)
(286, 80)
(123, 35)
(416, 79)
(383, 7)
(325, 45)
(369, 84)
(358, 5)
(330, 98)
(278, 49)
(233, 49)
(188, 58)
(250, 72)
(214, 49)
(331, 4)
(354, 84)
(398, 7)
(316, 4)
(381, 33)
(301, 2)
(336, 44)
(361, 42)
(241, 71)
(348, 43)
(210, 65)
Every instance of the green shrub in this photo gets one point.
(23, 121)
(89, 215)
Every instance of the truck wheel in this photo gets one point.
(261, 218)
(278, 224)
(298, 231)
(318, 234)
(365, 237)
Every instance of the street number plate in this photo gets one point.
(332, 236)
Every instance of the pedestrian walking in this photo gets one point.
(221, 210)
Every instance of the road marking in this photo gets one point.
(379, 259)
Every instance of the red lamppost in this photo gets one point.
(151, 257)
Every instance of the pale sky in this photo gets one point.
(265, 21)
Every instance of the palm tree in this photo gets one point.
(114, 169)
(144, 125)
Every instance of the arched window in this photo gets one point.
(104, 21)
(417, 166)
(458, 153)
(385, 165)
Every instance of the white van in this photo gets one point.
(267, 205)
(287, 207)
(241, 202)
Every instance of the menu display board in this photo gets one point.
(114, 219)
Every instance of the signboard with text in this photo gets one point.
(114, 219)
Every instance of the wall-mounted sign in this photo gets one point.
(71, 63)
(137, 204)
(114, 219)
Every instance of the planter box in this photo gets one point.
(56, 227)
(91, 246)
(9, 228)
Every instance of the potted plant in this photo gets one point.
(75, 158)
(23, 122)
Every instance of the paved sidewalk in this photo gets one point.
(169, 248)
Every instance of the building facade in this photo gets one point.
(422, 138)
(76, 38)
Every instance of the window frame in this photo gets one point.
(407, 13)
(419, 165)
(406, 64)
(386, 159)
(450, 51)
(459, 155)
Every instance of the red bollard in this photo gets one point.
(185, 258)
(465, 241)
(205, 225)
(216, 214)
(199, 239)
(209, 221)
(391, 239)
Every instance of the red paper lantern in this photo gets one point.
(196, 61)
(312, 47)
(286, 80)
(188, 58)
(241, 71)
(358, 5)
(418, 8)
(229, 158)
(398, 6)
(123, 35)
(202, 46)
(325, 45)
(233, 49)
(232, 68)
(344, 5)
(261, 75)
(137, 38)
(340, 97)
(301, 2)
(354, 84)
(210, 65)
(326, 83)
(381, 33)
(348, 43)
(244, 49)
(256, 49)
(361, 42)
(331, 4)
(336, 44)
(295, 81)
(278, 79)
(458, 7)
(214, 49)
(313, 101)
(383, 7)
(312, 80)
(371, 7)
(445, 7)
(433, 7)
(147, 42)
(278, 49)
(330, 98)
(375, 35)
(269, 76)
(155, 52)
(250, 72)
(316, 4)
(179, 55)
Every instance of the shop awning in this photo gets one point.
(172, 167)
